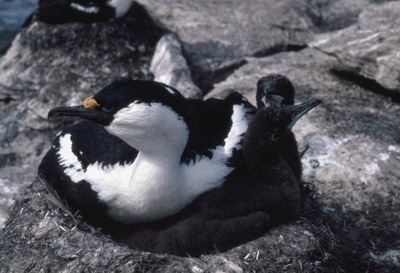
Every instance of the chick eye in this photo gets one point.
(108, 108)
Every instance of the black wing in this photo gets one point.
(91, 143)
(210, 122)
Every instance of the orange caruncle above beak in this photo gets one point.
(90, 103)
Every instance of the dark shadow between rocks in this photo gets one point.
(368, 84)
(278, 49)
(206, 80)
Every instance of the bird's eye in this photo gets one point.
(108, 108)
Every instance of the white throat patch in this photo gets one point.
(150, 128)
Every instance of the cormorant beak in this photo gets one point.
(94, 115)
(300, 110)
(272, 100)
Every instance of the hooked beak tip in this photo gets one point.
(53, 113)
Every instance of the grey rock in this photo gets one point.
(369, 48)
(170, 67)
(216, 33)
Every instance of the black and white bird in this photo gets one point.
(146, 151)
(63, 11)
(264, 194)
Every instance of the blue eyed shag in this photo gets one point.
(146, 151)
(264, 194)
(63, 11)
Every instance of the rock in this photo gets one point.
(170, 67)
(216, 35)
(369, 49)
(53, 65)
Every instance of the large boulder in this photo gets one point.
(369, 49)
(217, 34)
(170, 67)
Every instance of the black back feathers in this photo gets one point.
(63, 11)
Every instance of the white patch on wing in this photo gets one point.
(84, 9)
(111, 183)
(170, 90)
(240, 122)
(67, 159)
(121, 6)
(207, 173)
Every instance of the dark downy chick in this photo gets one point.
(276, 89)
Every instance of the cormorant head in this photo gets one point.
(286, 116)
(144, 114)
(270, 127)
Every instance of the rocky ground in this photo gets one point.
(344, 52)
